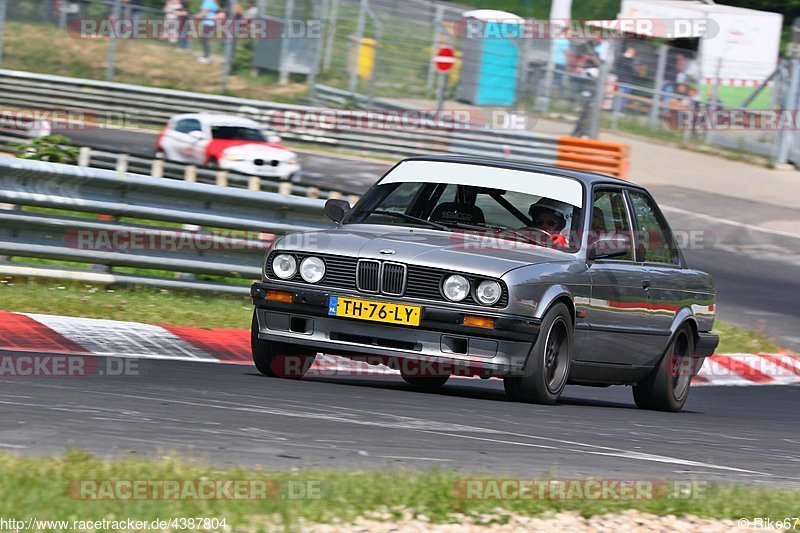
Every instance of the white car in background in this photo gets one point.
(228, 142)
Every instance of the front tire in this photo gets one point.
(667, 387)
(278, 359)
(547, 367)
(428, 383)
(422, 376)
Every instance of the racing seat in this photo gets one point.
(451, 212)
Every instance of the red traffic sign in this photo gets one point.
(444, 59)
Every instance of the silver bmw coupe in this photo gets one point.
(459, 266)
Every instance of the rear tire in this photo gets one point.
(667, 387)
(278, 359)
(547, 367)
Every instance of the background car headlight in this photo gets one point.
(291, 161)
(234, 157)
(284, 266)
(488, 292)
(455, 288)
(312, 269)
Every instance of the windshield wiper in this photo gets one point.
(398, 214)
(498, 229)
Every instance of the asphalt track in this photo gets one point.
(757, 274)
(230, 415)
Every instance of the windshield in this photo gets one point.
(237, 133)
(514, 215)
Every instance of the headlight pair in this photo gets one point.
(456, 288)
(312, 269)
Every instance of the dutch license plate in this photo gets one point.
(407, 315)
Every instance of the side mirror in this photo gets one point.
(608, 247)
(337, 210)
(197, 135)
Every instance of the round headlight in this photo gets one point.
(488, 292)
(284, 266)
(312, 269)
(455, 288)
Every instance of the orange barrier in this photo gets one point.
(596, 156)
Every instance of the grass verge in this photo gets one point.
(50, 488)
(183, 308)
(48, 50)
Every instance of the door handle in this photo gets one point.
(645, 283)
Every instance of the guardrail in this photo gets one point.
(148, 224)
(145, 164)
(342, 129)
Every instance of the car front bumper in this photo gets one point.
(283, 170)
(441, 338)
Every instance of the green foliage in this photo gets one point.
(52, 148)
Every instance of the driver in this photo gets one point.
(546, 216)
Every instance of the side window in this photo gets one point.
(654, 238)
(610, 217)
(188, 125)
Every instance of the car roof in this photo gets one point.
(587, 178)
(218, 118)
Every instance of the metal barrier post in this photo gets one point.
(655, 105)
(3, 5)
(122, 163)
(112, 47)
(157, 169)
(229, 47)
(362, 23)
(437, 32)
(283, 76)
(333, 16)
(84, 156)
(785, 137)
(190, 174)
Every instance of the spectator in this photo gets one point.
(173, 11)
(626, 73)
(252, 10)
(602, 49)
(560, 51)
(209, 14)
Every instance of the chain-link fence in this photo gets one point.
(174, 25)
(382, 50)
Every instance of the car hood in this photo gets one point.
(217, 147)
(475, 253)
